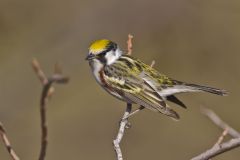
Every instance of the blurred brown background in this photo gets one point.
(194, 41)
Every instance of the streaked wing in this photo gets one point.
(162, 84)
(123, 77)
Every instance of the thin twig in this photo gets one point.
(219, 147)
(221, 138)
(36, 66)
(7, 143)
(220, 123)
(47, 91)
(129, 44)
(152, 64)
(122, 127)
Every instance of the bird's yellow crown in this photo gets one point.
(98, 46)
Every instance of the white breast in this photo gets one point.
(96, 67)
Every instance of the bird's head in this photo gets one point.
(104, 51)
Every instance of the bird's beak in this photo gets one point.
(89, 57)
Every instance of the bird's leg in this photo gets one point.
(132, 113)
(124, 118)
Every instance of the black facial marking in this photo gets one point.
(103, 59)
(110, 46)
(102, 54)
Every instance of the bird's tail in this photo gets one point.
(189, 87)
(212, 90)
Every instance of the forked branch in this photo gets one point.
(47, 91)
(124, 120)
(219, 147)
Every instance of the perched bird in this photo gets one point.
(135, 82)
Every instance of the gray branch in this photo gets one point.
(219, 148)
(122, 127)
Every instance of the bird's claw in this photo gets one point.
(128, 124)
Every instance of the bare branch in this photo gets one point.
(218, 149)
(215, 119)
(47, 91)
(124, 121)
(7, 144)
(123, 125)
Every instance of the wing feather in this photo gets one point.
(124, 78)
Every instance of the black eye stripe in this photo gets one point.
(104, 52)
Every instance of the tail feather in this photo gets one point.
(216, 91)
